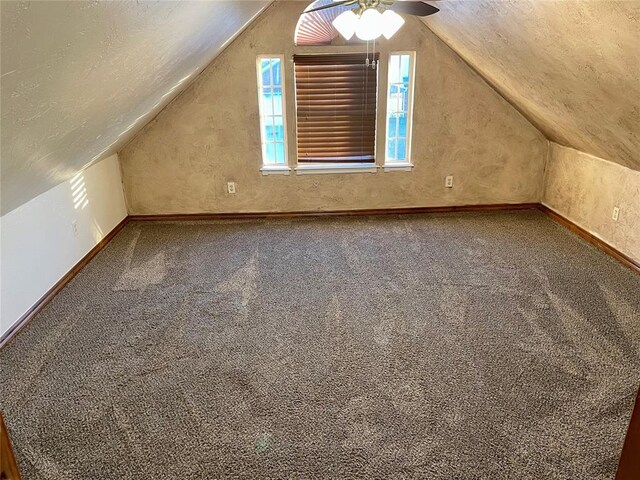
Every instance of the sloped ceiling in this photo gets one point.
(572, 67)
(79, 78)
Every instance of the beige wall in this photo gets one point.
(209, 135)
(584, 189)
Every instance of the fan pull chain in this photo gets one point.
(366, 63)
(373, 63)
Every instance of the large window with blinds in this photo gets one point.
(336, 108)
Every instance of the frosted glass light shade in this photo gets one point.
(370, 25)
(391, 23)
(346, 24)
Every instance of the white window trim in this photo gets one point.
(320, 168)
(273, 168)
(405, 165)
(398, 167)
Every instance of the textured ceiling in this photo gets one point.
(572, 67)
(79, 78)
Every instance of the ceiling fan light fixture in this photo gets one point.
(370, 24)
(346, 24)
(391, 23)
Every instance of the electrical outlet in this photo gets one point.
(74, 227)
(615, 213)
(448, 181)
(231, 187)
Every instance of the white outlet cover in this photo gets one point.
(615, 214)
(231, 187)
(448, 181)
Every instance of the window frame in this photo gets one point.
(272, 168)
(406, 164)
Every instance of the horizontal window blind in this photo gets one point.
(336, 108)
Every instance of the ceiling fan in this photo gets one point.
(369, 19)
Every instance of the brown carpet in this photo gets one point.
(462, 346)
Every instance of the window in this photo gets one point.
(336, 110)
(399, 108)
(272, 113)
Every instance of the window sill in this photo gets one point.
(304, 169)
(275, 170)
(398, 167)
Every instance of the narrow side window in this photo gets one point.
(399, 107)
(272, 111)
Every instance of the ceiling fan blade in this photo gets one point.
(331, 5)
(419, 9)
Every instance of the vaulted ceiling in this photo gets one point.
(572, 67)
(79, 79)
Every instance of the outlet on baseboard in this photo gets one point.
(615, 214)
(448, 181)
(231, 187)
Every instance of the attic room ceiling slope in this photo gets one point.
(572, 67)
(79, 79)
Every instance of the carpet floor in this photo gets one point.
(466, 346)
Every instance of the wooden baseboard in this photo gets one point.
(601, 244)
(323, 213)
(8, 464)
(47, 297)
(624, 259)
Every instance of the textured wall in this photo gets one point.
(209, 135)
(80, 78)
(585, 189)
(571, 66)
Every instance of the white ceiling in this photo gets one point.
(79, 78)
(572, 67)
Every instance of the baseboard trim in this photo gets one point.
(53, 291)
(40, 304)
(601, 244)
(323, 213)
